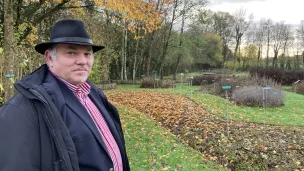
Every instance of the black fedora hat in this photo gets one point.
(68, 32)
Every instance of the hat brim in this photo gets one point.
(42, 47)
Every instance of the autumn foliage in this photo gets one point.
(138, 14)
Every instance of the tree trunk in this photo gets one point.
(303, 58)
(150, 50)
(267, 53)
(122, 56)
(135, 60)
(296, 61)
(166, 41)
(125, 54)
(180, 45)
(259, 54)
(8, 47)
(275, 58)
(238, 42)
(225, 54)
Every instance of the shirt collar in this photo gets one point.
(82, 88)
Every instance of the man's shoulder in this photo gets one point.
(18, 100)
(17, 107)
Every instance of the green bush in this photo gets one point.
(233, 65)
(253, 96)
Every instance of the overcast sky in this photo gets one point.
(290, 11)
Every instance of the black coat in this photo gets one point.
(46, 128)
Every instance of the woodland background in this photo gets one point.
(147, 37)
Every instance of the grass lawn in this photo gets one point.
(242, 74)
(250, 146)
(292, 113)
(151, 147)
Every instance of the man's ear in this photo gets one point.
(47, 57)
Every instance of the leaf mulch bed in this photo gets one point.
(249, 146)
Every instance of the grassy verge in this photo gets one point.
(151, 147)
(241, 74)
(292, 113)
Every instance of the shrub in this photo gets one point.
(148, 82)
(253, 96)
(262, 81)
(126, 82)
(205, 79)
(299, 87)
(234, 82)
(167, 84)
(240, 82)
(279, 74)
(233, 65)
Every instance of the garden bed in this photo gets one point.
(246, 146)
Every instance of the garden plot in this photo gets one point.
(249, 145)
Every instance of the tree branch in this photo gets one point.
(85, 6)
(39, 19)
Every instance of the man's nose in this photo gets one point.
(81, 59)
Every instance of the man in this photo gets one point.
(59, 120)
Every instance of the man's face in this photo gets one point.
(73, 63)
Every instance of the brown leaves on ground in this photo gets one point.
(248, 146)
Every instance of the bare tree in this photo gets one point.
(300, 33)
(268, 25)
(277, 40)
(167, 35)
(223, 26)
(240, 27)
(287, 37)
(251, 42)
(251, 34)
(260, 34)
(188, 7)
(300, 37)
(287, 42)
(297, 47)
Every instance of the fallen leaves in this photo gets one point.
(248, 146)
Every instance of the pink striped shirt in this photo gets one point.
(81, 92)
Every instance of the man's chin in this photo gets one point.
(80, 80)
(83, 80)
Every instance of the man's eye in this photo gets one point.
(71, 53)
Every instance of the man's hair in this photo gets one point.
(52, 51)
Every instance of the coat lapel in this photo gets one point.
(106, 115)
(74, 104)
